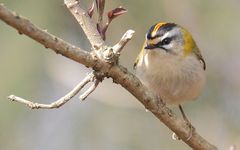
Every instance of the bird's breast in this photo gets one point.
(175, 79)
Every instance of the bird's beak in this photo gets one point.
(150, 46)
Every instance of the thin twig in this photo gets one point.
(58, 103)
(89, 90)
(98, 77)
(100, 8)
(88, 26)
(117, 48)
(111, 54)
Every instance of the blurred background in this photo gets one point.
(111, 118)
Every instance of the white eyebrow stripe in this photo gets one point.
(170, 33)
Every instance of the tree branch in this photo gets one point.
(58, 103)
(117, 48)
(88, 26)
(119, 74)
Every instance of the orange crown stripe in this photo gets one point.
(157, 26)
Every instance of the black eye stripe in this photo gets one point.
(166, 41)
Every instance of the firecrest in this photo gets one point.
(171, 65)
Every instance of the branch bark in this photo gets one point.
(88, 26)
(118, 73)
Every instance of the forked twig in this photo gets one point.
(58, 103)
(89, 90)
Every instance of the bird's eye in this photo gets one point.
(166, 41)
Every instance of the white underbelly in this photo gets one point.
(174, 81)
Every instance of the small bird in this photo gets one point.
(171, 65)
